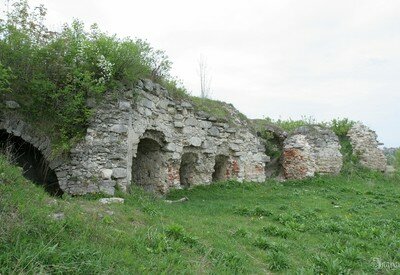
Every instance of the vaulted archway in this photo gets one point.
(188, 169)
(147, 166)
(220, 168)
(35, 166)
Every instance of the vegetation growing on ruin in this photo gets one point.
(52, 75)
(220, 110)
(339, 126)
(56, 76)
(324, 225)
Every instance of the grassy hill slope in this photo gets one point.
(322, 225)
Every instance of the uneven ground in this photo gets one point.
(348, 224)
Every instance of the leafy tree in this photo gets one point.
(205, 78)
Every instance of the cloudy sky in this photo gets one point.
(281, 58)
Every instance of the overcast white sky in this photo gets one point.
(282, 58)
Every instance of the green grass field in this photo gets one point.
(325, 225)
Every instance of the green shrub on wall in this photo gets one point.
(55, 73)
(341, 126)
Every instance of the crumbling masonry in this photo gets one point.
(144, 137)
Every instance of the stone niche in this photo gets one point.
(32, 152)
(188, 169)
(310, 150)
(146, 138)
(365, 145)
(147, 165)
(221, 171)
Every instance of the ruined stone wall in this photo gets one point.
(310, 150)
(144, 137)
(110, 155)
(298, 161)
(365, 144)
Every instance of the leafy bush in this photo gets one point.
(350, 160)
(5, 76)
(52, 75)
(273, 148)
(341, 126)
(175, 88)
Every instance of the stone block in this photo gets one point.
(119, 173)
(195, 141)
(12, 104)
(119, 128)
(213, 131)
(187, 105)
(106, 174)
(191, 122)
(178, 124)
(111, 200)
(124, 105)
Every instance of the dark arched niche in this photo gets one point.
(220, 168)
(148, 164)
(34, 165)
(188, 169)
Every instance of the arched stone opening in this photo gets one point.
(220, 168)
(188, 169)
(35, 166)
(148, 164)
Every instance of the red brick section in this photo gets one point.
(297, 168)
(260, 169)
(235, 168)
(173, 174)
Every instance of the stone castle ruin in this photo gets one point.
(144, 137)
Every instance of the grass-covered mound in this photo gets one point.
(325, 225)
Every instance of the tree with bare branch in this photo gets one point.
(205, 78)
